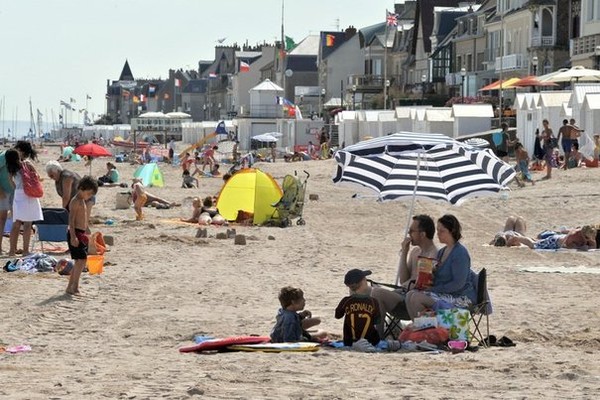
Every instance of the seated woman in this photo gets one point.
(112, 175)
(593, 162)
(196, 205)
(575, 158)
(209, 213)
(453, 280)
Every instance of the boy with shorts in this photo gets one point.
(361, 311)
(78, 225)
(291, 325)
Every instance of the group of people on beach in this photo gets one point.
(18, 195)
(454, 284)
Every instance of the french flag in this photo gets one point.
(244, 66)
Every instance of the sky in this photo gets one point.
(54, 50)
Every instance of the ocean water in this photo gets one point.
(20, 129)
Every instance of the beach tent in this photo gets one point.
(150, 175)
(250, 190)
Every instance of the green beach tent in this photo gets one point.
(150, 175)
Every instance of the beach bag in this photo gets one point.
(435, 336)
(31, 181)
(456, 320)
(424, 273)
(96, 246)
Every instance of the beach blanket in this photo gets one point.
(563, 270)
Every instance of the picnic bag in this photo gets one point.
(424, 273)
(31, 181)
(456, 320)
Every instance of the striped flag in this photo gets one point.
(212, 75)
(244, 66)
(177, 82)
(329, 40)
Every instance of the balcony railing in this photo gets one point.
(542, 41)
(584, 45)
(509, 62)
(366, 82)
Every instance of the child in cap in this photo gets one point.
(291, 325)
(360, 310)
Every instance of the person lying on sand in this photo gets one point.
(514, 227)
(197, 210)
(141, 198)
(583, 238)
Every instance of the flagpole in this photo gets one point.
(501, 67)
(282, 52)
(385, 62)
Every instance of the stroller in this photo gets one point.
(291, 204)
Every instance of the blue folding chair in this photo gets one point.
(53, 228)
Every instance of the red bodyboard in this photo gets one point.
(223, 343)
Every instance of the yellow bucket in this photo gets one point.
(95, 264)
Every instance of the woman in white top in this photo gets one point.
(26, 209)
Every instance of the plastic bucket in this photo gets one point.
(95, 264)
(122, 201)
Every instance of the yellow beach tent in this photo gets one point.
(250, 190)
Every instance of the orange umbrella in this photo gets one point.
(496, 85)
(529, 81)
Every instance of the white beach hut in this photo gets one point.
(417, 116)
(471, 118)
(403, 119)
(580, 90)
(439, 120)
(590, 112)
(263, 100)
(347, 127)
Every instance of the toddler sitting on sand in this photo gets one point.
(291, 325)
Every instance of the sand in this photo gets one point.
(121, 339)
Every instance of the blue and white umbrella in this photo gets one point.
(412, 165)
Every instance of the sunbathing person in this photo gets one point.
(141, 198)
(197, 210)
(209, 213)
(514, 227)
(583, 238)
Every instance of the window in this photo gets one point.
(593, 10)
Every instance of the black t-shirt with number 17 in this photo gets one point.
(361, 314)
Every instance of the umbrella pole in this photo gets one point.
(410, 212)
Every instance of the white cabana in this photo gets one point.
(439, 120)
(590, 111)
(263, 100)
(471, 118)
(404, 119)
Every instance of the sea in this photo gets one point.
(16, 130)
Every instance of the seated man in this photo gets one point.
(420, 236)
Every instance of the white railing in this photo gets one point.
(509, 62)
(537, 41)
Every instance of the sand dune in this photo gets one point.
(120, 339)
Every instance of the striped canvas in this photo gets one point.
(448, 170)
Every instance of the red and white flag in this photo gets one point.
(177, 82)
(212, 75)
(391, 19)
(142, 98)
(244, 66)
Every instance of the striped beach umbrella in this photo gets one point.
(413, 165)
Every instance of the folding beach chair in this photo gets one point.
(483, 308)
(53, 228)
(393, 318)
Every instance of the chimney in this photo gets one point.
(349, 32)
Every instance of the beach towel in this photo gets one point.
(563, 270)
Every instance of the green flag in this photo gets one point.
(289, 43)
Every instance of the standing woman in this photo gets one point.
(453, 280)
(548, 146)
(25, 209)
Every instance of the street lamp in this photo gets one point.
(423, 80)
(387, 94)
(463, 73)
(534, 63)
(204, 110)
(353, 97)
(597, 54)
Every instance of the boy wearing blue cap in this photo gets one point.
(360, 311)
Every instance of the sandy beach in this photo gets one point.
(163, 286)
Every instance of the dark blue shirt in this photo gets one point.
(288, 327)
(454, 276)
